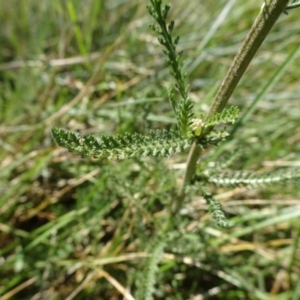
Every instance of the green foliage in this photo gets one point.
(254, 180)
(159, 143)
(216, 211)
(147, 280)
(227, 116)
(182, 108)
(75, 228)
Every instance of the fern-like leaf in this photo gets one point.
(183, 111)
(146, 288)
(227, 116)
(241, 178)
(159, 143)
(183, 108)
(216, 211)
(185, 115)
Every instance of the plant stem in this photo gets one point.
(189, 173)
(268, 15)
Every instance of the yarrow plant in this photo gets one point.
(195, 130)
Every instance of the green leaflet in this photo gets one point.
(251, 179)
(158, 143)
(216, 211)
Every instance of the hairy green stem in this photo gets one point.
(268, 15)
(189, 173)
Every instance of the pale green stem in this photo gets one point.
(268, 15)
(265, 20)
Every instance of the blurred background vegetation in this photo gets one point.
(73, 228)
